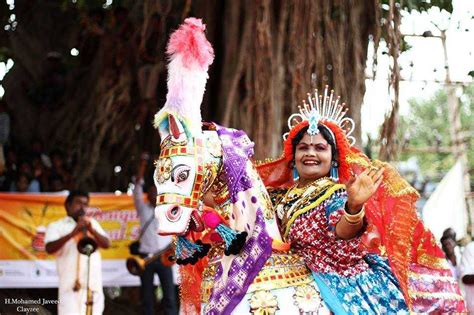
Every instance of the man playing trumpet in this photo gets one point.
(62, 238)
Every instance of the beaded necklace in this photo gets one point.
(291, 197)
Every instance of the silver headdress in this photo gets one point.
(321, 108)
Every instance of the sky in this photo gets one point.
(426, 54)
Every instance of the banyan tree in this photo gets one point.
(88, 76)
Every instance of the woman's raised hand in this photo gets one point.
(361, 187)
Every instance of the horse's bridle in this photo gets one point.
(206, 174)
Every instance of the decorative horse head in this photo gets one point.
(203, 163)
(192, 159)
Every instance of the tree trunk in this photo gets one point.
(286, 49)
(97, 107)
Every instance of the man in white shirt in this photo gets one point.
(467, 276)
(151, 243)
(61, 239)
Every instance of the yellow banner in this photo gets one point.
(25, 217)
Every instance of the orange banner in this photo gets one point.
(23, 222)
(25, 217)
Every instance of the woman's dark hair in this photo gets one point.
(326, 135)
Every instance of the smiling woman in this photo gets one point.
(323, 215)
(313, 156)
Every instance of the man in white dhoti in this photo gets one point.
(61, 239)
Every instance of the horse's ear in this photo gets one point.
(176, 129)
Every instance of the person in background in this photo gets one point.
(61, 239)
(39, 171)
(60, 169)
(466, 270)
(9, 175)
(26, 179)
(21, 183)
(38, 151)
(151, 243)
(56, 183)
(449, 247)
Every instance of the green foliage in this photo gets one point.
(404, 46)
(427, 126)
(425, 5)
(414, 5)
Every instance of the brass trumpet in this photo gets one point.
(86, 245)
(136, 265)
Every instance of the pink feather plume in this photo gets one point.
(190, 55)
(190, 41)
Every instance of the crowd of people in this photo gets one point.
(30, 168)
(35, 170)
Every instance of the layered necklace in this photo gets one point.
(298, 195)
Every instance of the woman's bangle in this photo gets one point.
(354, 218)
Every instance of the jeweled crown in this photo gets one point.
(321, 108)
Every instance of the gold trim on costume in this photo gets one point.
(432, 261)
(414, 275)
(312, 205)
(280, 271)
(435, 295)
(356, 159)
(395, 185)
(267, 160)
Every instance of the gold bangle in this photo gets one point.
(354, 218)
(352, 222)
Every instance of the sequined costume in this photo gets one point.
(394, 250)
(350, 280)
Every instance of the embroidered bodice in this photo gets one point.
(308, 217)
